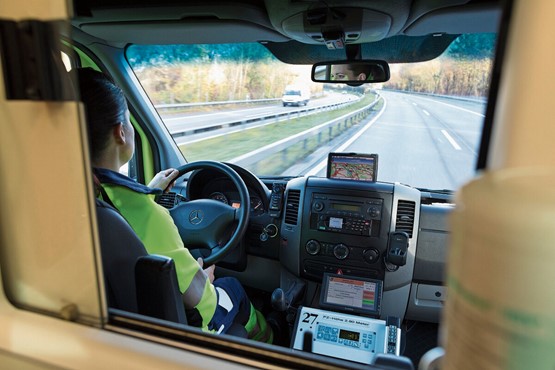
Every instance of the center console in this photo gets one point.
(361, 230)
(347, 232)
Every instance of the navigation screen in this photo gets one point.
(348, 293)
(353, 166)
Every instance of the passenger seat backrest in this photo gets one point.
(136, 281)
(158, 292)
(120, 249)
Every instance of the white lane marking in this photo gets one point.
(451, 140)
(454, 106)
(320, 166)
(425, 112)
(416, 105)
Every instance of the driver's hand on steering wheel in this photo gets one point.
(164, 179)
(209, 271)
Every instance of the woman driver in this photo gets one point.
(213, 305)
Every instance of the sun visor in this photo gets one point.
(177, 32)
(478, 18)
(352, 25)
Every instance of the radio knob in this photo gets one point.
(318, 206)
(312, 247)
(340, 251)
(374, 212)
(371, 255)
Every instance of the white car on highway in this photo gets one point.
(295, 95)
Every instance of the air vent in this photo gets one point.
(292, 207)
(405, 217)
(167, 200)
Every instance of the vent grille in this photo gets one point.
(292, 207)
(405, 216)
(167, 200)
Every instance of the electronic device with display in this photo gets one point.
(351, 294)
(276, 199)
(353, 166)
(346, 214)
(343, 335)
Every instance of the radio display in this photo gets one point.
(345, 207)
(346, 215)
(353, 166)
(336, 222)
(350, 293)
(349, 335)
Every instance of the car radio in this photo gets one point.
(347, 215)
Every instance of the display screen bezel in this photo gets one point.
(324, 303)
(332, 158)
(345, 207)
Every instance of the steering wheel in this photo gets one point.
(202, 223)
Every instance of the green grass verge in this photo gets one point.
(278, 163)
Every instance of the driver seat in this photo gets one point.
(136, 281)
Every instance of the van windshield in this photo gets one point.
(236, 103)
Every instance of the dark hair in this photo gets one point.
(375, 71)
(105, 107)
(360, 68)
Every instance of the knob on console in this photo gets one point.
(318, 206)
(371, 255)
(340, 251)
(312, 247)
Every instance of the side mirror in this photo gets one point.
(351, 72)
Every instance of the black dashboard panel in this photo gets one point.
(338, 226)
(262, 235)
(349, 227)
(345, 228)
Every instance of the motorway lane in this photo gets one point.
(423, 141)
(198, 120)
(466, 126)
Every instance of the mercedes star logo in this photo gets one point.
(196, 217)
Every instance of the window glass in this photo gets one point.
(238, 103)
(47, 254)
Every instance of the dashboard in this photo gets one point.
(211, 184)
(232, 198)
(349, 227)
(369, 230)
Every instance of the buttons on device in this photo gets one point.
(337, 336)
(392, 340)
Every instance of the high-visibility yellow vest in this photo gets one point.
(155, 228)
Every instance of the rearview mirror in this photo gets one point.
(351, 72)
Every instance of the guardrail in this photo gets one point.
(179, 132)
(202, 104)
(322, 132)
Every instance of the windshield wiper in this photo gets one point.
(431, 196)
(437, 191)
